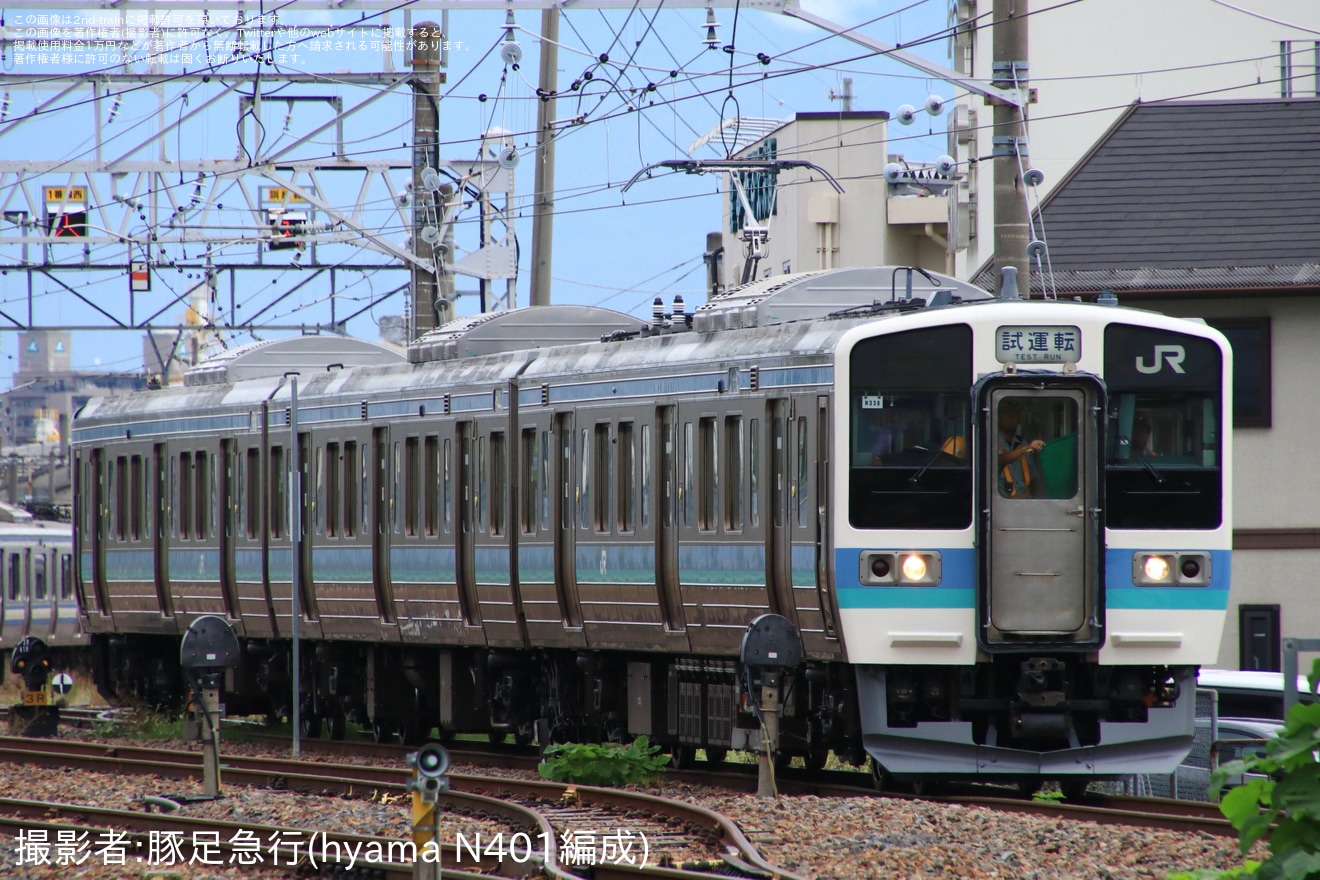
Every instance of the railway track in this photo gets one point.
(689, 841)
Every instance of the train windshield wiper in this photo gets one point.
(1150, 468)
(916, 478)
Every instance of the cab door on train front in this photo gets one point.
(1040, 449)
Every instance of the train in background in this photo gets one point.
(37, 592)
(563, 519)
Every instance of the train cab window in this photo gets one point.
(909, 430)
(601, 454)
(39, 577)
(15, 576)
(754, 472)
(66, 576)
(279, 501)
(185, 495)
(627, 480)
(1163, 428)
(645, 481)
(1047, 472)
(529, 482)
(497, 483)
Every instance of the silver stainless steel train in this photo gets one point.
(564, 518)
(37, 596)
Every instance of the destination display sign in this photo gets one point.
(1038, 344)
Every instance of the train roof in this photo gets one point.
(296, 354)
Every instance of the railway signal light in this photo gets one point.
(286, 229)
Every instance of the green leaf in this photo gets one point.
(1244, 802)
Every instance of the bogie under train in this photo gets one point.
(562, 520)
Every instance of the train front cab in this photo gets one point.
(1017, 631)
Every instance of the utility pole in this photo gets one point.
(1009, 71)
(426, 310)
(543, 216)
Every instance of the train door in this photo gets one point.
(565, 521)
(94, 521)
(1041, 448)
(15, 609)
(306, 577)
(41, 622)
(385, 467)
(496, 611)
(779, 542)
(664, 506)
(228, 510)
(468, 512)
(159, 512)
(822, 568)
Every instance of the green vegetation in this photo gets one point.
(1050, 797)
(1283, 802)
(604, 763)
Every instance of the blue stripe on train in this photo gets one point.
(957, 587)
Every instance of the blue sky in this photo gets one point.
(611, 249)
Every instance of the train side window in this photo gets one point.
(708, 459)
(200, 494)
(733, 466)
(627, 480)
(39, 576)
(497, 482)
(412, 484)
(364, 492)
(172, 508)
(15, 576)
(584, 482)
(529, 482)
(135, 509)
(351, 484)
(185, 495)
(446, 487)
(212, 492)
(601, 513)
(238, 486)
(66, 576)
(396, 490)
(544, 464)
(252, 522)
(801, 486)
(111, 509)
(754, 472)
(333, 502)
(685, 490)
(318, 497)
(482, 513)
(646, 476)
(431, 485)
(279, 502)
(121, 528)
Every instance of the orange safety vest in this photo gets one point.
(1012, 484)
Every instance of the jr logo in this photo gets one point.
(1173, 355)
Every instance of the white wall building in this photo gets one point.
(1089, 61)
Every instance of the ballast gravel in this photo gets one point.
(821, 838)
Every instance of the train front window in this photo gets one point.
(908, 431)
(1163, 430)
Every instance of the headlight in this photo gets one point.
(914, 568)
(1182, 568)
(1156, 569)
